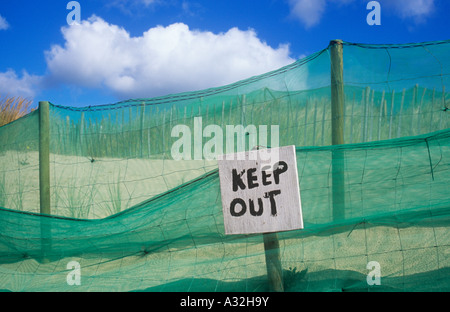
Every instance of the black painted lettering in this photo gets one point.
(266, 175)
(273, 204)
(281, 167)
(251, 178)
(233, 207)
(237, 180)
(253, 212)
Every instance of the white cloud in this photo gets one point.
(416, 9)
(131, 7)
(13, 85)
(163, 60)
(310, 12)
(3, 23)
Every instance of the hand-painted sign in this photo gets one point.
(260, 194)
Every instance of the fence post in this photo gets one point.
(273, 262)
(337, 127)
(44, 157)
(44, 178)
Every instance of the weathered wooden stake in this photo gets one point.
(337, 125)
(273, 262)
(44, 157)
(44, 177)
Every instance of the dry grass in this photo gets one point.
(12, 108)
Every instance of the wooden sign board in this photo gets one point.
(260, 194)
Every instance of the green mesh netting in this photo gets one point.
(133, 218)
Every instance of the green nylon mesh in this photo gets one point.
(134, 218)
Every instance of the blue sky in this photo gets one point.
(144, 48)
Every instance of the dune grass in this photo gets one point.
(12, 108)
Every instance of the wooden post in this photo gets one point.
(337, 125)
(273, 262)
(337, 92)
(44, 157)
(142, 128)
(44, 177)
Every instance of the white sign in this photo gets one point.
(260, 194)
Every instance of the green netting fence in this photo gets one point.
(134, 218)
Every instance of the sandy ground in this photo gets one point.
(91, 189)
